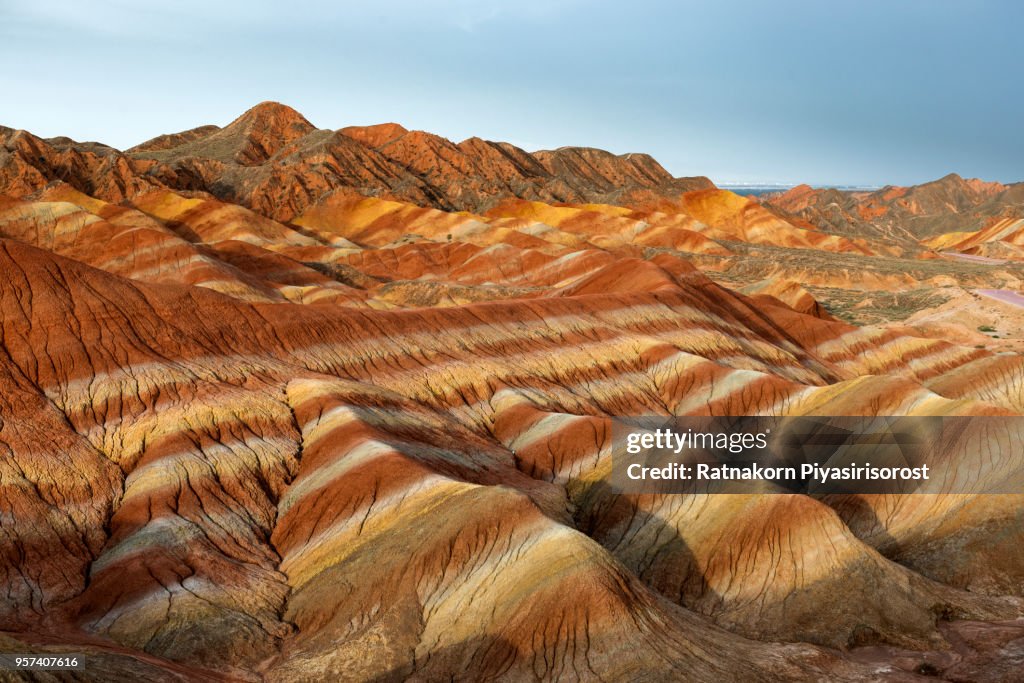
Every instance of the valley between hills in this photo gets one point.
(283, 403)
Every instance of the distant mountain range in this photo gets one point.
(272, 160)
(758, 189)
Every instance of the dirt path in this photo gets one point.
(1007, 296)
(973, 259)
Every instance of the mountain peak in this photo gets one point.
(970, 185)
(257, 135)
(250, 139)
(951, 178)
(269, 114)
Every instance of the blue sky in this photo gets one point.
(863, 92)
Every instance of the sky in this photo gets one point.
(825, 92)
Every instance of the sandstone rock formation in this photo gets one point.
(291, 404)
(906, 213)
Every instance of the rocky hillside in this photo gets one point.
(272, 410)
(274, 161)
(949, 204)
